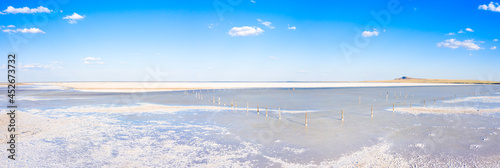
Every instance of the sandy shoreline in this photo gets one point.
(175, 86)
(445, 110)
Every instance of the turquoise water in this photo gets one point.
(66, 136)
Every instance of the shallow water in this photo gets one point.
(67, 128)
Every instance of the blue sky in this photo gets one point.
(250, 40)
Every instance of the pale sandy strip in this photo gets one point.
(446, 110)
(482, 99)
(147, 107)
(171, 86)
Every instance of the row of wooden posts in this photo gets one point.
(234, 104)
(199, 95)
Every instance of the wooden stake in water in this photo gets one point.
(257, 109)
(359, 101)
(279, 112)
(213, 99)
(387, 96)
(434, 101)
(231, 103)
(342, 114)
(247, 107)
(219, 100)
(393, 107)
(410, 105)
(424, 103)
(306, 119)
(372, 112)
(235, 104)
(266, 111)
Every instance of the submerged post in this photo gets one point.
(279, 112)
(410, 105)
(247, 107)
(393, 107)
(219, 100)
(257, 109)
(359, 100)
(424, 103)
(306, 119)
(372, 112)
(342, 114)
(266, 111)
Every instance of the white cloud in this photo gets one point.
(25, 10)
(495, 7)
(212, 25)
(38, 66)
(252, 1)
(495, 39)
(73, 18)
(291, 28)
(494, 48)
(273, 57)
(453, 43)
(469, 30)
(461, 31)
(25, 30)
(92, 60)
(245, 31)
(451, 34)
(11, 26)
(266, 23)
(370, 33)
(56, 62)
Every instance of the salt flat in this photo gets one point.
(64, 127)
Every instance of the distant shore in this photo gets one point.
(177, 86)
(448, 81)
